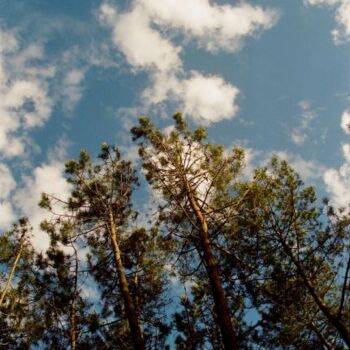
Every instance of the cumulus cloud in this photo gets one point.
(342, 17)
(337, 181)
(47, 178)
(24, 98)
(143, 47)
(144, 36)
(338, 184)
(207, 98)
(213, 26)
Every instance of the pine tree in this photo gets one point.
(298, 267)
(121, 259)
(194, 178)
(18, 324)
(65, 309)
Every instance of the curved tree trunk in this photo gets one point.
(130, 308)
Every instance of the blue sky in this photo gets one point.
(271, 76)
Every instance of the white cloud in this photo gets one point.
(7, 215)
(143, 47)
(322, 2)
(298, 134)
(7, 182)
(7, 185)
(337, 181)
(308, 170)
(346, 152)
(214, 26)
(143, 34)
(345, 121)
(47, 178)
(208, 98)
(72, 88)
(342, 17)
(251, 157)
(33, 93)
(24, 97)
(8, 42)
(31, 83)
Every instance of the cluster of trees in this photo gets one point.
(226, 263)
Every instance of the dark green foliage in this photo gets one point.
(289, 250)
(99, 190)
(198, 183)
(281, 257)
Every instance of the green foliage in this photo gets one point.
(101, 198)
(288, 251)
(281, 254)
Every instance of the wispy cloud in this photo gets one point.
(308, 114)
(72, 88)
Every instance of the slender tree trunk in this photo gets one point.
(12, 273)
(321, 337)
(345, 287)
(228, 334)
(130, 308)
(72, 309)
(73, 326)
(343, 331)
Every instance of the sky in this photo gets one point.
(271, 76)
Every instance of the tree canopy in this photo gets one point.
(227, 261)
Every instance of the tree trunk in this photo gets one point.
(73, 326)
(13, 269)
(229, 337)
(72, 309)
(130, 308)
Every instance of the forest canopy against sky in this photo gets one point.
(271, 77)
(265, 78)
